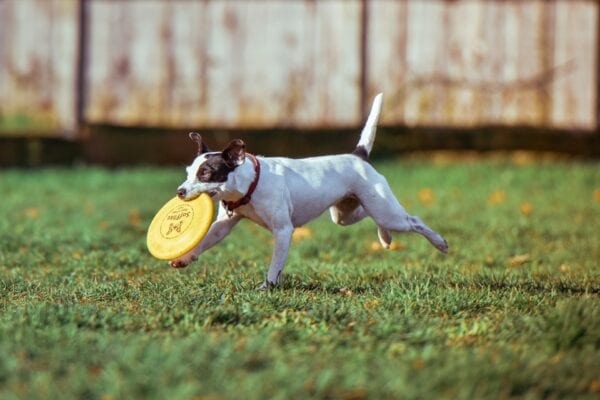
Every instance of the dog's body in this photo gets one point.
(288, 193)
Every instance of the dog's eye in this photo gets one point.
(204, 174)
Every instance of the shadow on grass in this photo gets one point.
(503, 285)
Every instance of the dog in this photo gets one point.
(281, 194)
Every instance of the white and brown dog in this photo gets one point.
(282, 193)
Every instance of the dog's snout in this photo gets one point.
(181, 192)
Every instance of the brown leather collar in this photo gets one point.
(232, 205)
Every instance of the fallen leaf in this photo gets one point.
(497, 197)
(595, 386)
(565, 268)
(526, 208)
(103, 225)
(375, 246)
(518, 260)
(557, 359)
(394, 246)
(597, 194)
(94, 371)
(32, 212)
(134, 218)
(397, 246)
(301, 233)
(418, 364)
(426, 196)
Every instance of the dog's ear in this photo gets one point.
(235, 153)
(202, 147)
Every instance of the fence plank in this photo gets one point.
(473, 63)
(576, 43)
(37, 67)
(262, 64)
(234, 63)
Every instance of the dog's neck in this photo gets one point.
(239, 181)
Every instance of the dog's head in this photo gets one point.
(210, 170)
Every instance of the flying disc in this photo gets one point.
(179, 226)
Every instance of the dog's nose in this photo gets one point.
(181, 193)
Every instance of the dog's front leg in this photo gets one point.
(283, 238)
(218, 230)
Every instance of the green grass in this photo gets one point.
(86, 312)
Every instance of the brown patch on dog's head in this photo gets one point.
(235, 153)
(217, 166)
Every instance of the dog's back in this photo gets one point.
(314, 184)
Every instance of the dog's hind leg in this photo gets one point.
(349, 211)
(385, 237)
(380, 204)
(418, 226)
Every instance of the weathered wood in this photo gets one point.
(597, 77)
(474, 63)
(574, 93)
(303, 64)
(37, 67)
(235, 63)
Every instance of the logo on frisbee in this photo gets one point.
(179, 226)
(176, 221)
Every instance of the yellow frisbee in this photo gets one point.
(179, 226)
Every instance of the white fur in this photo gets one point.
(367, 136)
(292, 192)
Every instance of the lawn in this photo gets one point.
(512, 311)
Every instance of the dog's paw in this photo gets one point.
(269, 285)
(443, 246)
(266, 286)
(182, 262)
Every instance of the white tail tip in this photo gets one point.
(367, 136)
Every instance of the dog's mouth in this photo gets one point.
(210, 193)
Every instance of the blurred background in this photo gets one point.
(122, 82)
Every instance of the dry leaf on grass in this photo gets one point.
(134, 217)
(376, 246)
(301, 233)
(497, 197)
(518, 260)
(32, 212)
(426, 196)
(526, 208)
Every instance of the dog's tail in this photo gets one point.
(367, 136)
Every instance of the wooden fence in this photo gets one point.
(65, 64)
